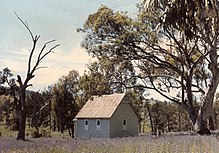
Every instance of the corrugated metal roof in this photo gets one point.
(100, 106)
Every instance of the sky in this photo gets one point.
(51, 19)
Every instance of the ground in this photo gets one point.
(168, 143)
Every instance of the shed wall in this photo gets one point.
(92, 132)
(124, 112)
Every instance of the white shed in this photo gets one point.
(107, 116)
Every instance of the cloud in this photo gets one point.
(51, 19)
(60, 64)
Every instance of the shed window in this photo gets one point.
(98, 125)
(86, 124)
(124, 125)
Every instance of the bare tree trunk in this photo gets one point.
(22, 117)
(22, 126)
(32, 67)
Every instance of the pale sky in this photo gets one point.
(51, 19)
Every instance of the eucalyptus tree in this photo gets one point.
(196, 22)
(32, 67)
(39, 109)
(93, 82)
(7, 82)
(172, 43)
(107, 76)
(64, 102)
(8, 87)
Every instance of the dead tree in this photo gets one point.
(31, 68)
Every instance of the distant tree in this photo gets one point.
(147, 114)
(168, 117)
(93, 82)
(31, 69)
(64, 103)
(137, 97)
(158, 117)
(39, 109)
(106, 76)
(8, 87)
(7, 82)
(5, 110)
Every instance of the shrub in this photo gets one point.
(42, 132)
(45, 132)
(14, 127)
(35, 134)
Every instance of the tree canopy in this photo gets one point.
(172, 45)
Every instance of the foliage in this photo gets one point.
(191, 23)
(8, 98)
(173, 45)
(106, 76)
(7, 82)
(64, 102)
(168, 117)
(42, 132)
(39, 109)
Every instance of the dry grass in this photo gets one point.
(147, 143)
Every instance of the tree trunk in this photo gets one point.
(207, 109)
(22, 117)
(187, 99)
(179, 120)
(193, 114)
(150, 117)
(211, 123)
(54, 125)
(30, 75)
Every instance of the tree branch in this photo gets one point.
(25, 24)
(19, 80)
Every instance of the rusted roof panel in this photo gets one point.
(100, 106)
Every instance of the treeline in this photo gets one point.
(163, 117)
(55, 107)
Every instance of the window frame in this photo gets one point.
(124, 126)
(86, 124)
(98, 125)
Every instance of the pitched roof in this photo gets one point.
(101, 106)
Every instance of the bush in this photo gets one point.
(43, 132)
(35, 134)
(14, 127)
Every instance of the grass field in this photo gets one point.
(140, 144)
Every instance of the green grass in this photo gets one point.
(5, 132)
